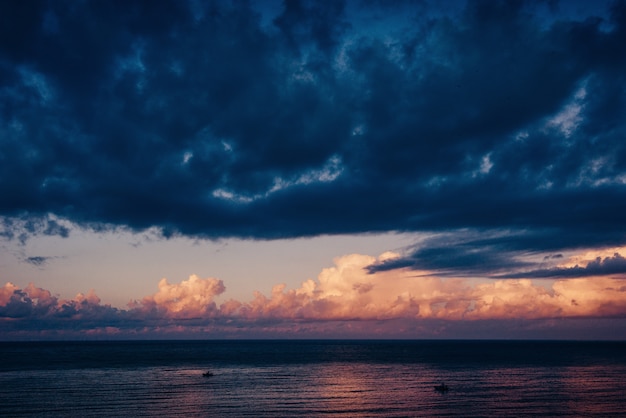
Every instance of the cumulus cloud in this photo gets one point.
(192, 298)
(349, 291)
(33, 304)
(346, 291)
(344, 297)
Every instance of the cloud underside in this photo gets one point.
(345, 300)
(223, 120)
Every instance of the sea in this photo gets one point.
(312, 378)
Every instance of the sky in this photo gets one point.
(312, 169)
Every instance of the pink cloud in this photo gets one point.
(192, 298)
(346, 291)
(6, 293)
(344, 300)
(37, 303)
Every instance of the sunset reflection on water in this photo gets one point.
(359, 388)
(589, 388)
(328, 379)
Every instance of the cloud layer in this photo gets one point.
(346, 299)
(231, 119)
(494, 129)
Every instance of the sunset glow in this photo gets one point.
(313, 169)
(344, 292)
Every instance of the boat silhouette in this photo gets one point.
(441, 388)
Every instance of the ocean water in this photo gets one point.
(312, 378)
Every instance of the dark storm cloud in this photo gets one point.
(219, 119)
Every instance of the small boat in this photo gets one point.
(207, 374)
(441, 388)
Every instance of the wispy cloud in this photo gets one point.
(37, 260)
(615, 265)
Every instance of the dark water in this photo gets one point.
(313, 378)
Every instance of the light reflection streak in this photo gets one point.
(590, 388)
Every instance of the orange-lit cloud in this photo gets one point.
(590, 256)
(192, 298)
(343, 298)
(347, 291)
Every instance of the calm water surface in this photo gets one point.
(313, 378)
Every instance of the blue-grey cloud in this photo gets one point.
(466, 253)
(499, 255)
(615, 265)
(37, 260)
(220, 120)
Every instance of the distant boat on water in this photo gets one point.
(441, 388)
(207, 374)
